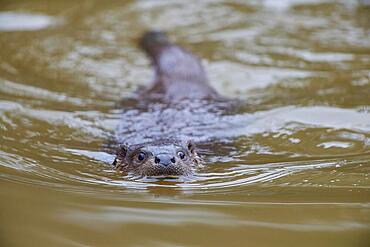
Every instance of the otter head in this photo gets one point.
(158, 158)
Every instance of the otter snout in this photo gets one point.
(164, 159)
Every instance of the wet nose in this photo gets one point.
(164, 159)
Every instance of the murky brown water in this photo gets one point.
(297, 176)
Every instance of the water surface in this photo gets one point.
(295, 171)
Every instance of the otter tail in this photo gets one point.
(170, 60)
(152, 43)
(178, 73)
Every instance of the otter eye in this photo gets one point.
(181, 154)
(141, 156)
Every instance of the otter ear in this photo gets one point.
(191, 146)
(120, 154)
(122, 151)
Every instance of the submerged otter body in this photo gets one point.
(180, 106)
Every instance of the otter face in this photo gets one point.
(158, 158)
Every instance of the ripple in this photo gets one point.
(114, 215)
(335, 144)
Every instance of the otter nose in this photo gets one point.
(164, 159)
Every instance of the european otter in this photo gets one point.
(176, 109)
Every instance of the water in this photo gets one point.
(297, 171)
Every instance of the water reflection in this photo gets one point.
(13, 21)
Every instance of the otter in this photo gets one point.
(179, 106)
